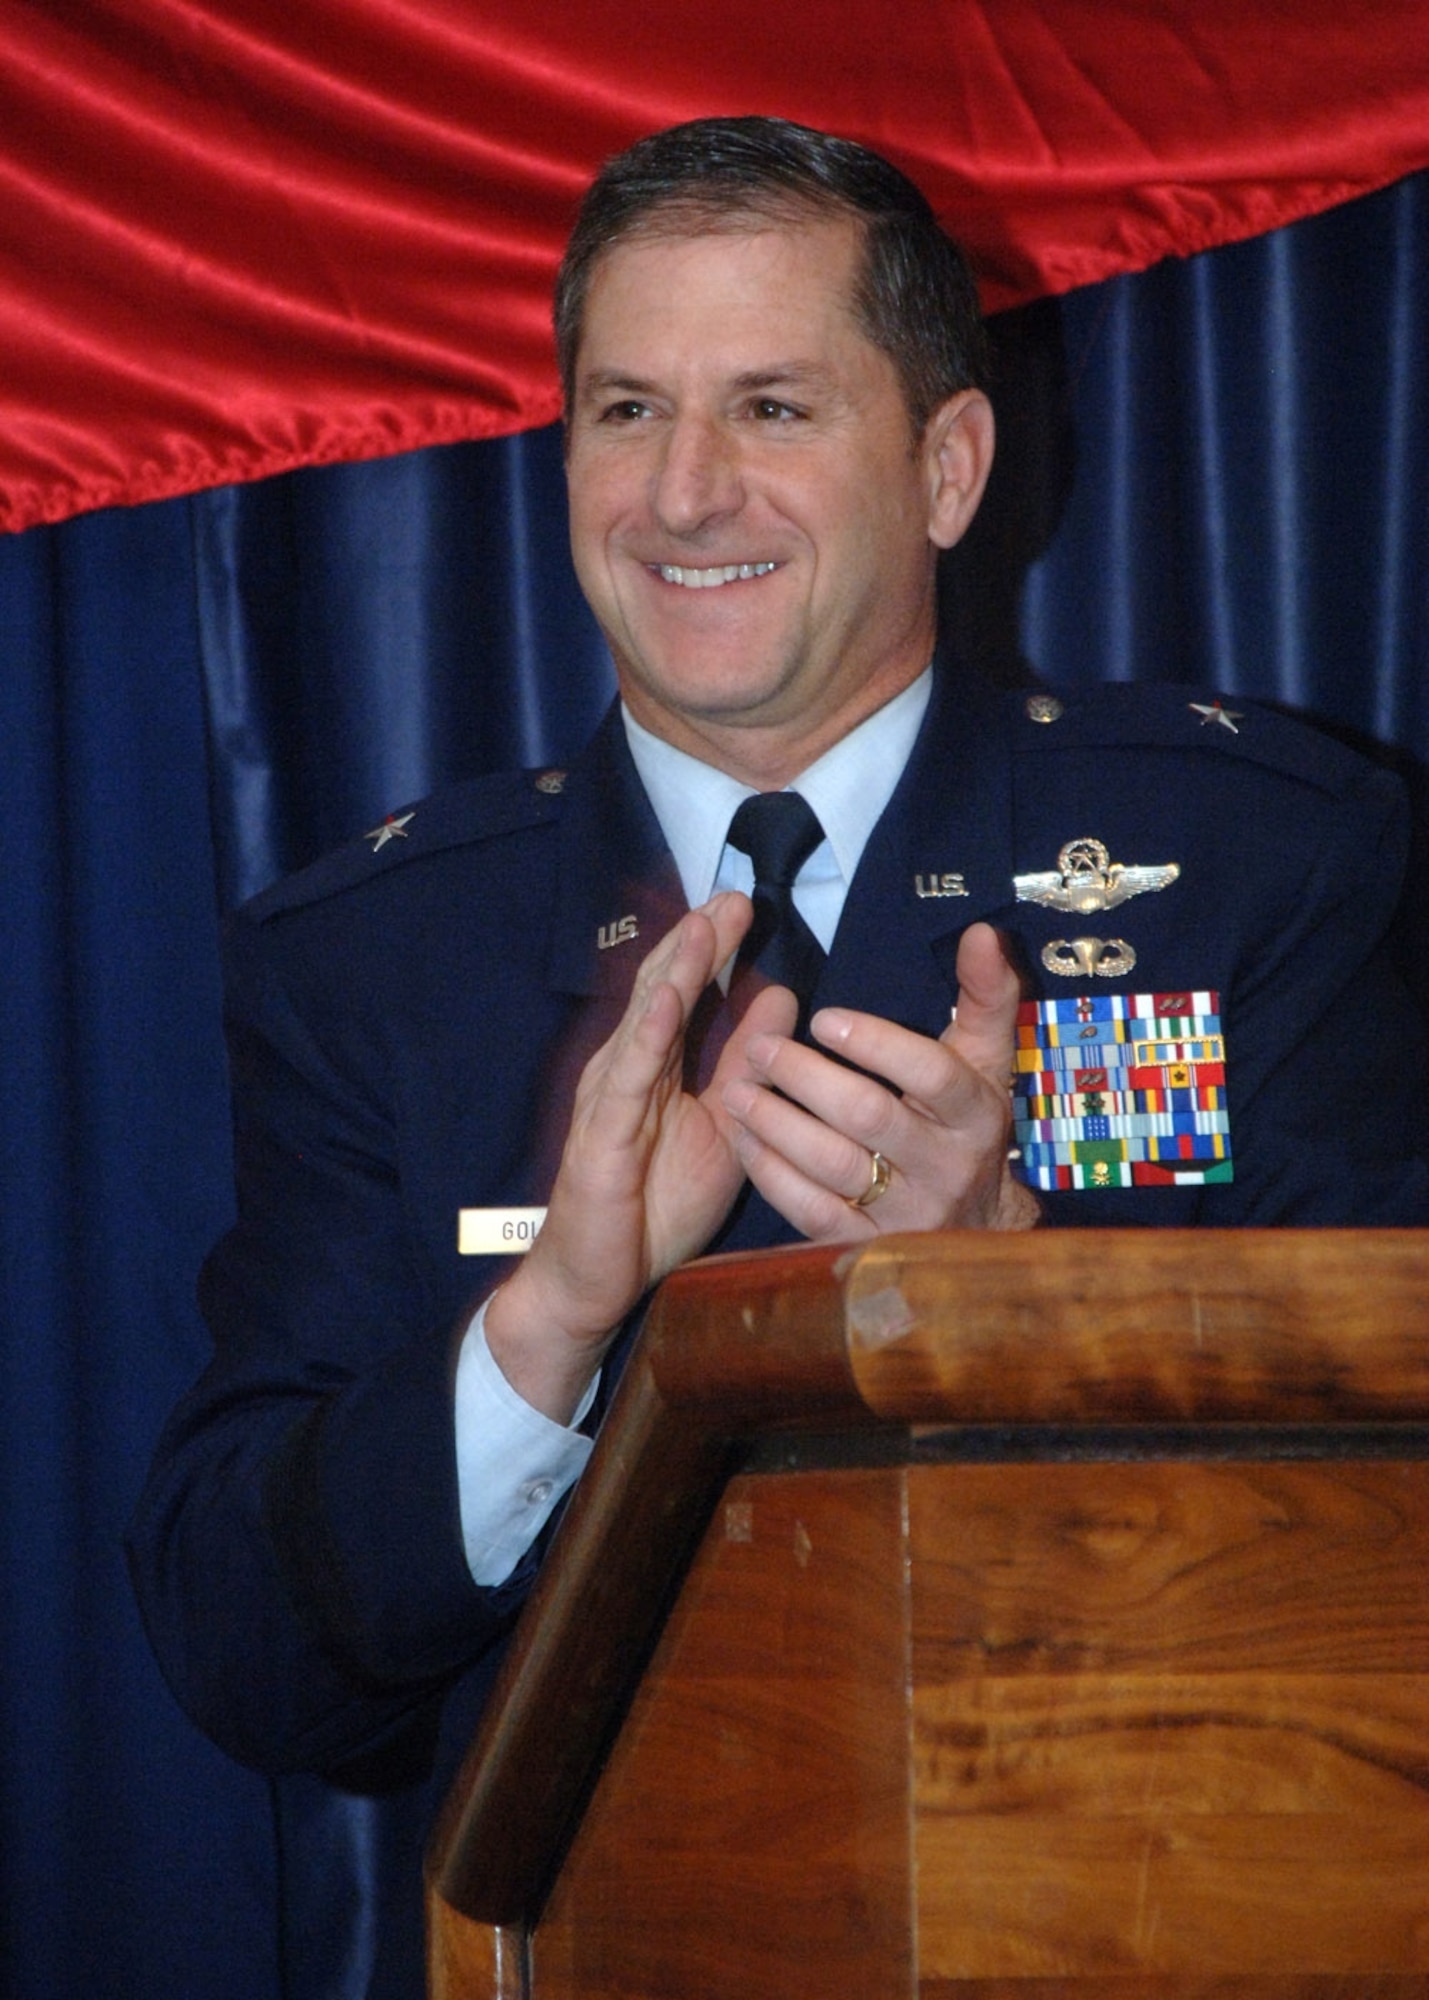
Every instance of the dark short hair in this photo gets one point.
(914, 297)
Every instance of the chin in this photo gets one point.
(711, 690)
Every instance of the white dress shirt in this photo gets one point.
(513, 1463)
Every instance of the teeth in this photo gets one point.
(709, 579)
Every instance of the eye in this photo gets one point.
(769, 410)
(629, 410)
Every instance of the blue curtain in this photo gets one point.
(1213, 472)
(133, 1860)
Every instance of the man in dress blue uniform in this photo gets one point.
(1163, 917)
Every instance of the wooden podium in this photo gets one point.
(978, 1618)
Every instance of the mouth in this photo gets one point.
(711, 579)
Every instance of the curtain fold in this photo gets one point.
(1250, 432)
(372, 631)
(238, 236)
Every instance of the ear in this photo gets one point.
(957, 451)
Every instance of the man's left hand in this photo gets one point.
(810, 1133)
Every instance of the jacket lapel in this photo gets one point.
(617, 890)
(939, 859)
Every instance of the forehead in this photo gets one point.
(763, 281)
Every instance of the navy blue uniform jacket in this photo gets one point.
(406, 1022)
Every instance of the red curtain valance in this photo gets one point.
(242, 235)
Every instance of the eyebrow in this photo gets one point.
(601, 381)
(782, 375)
(789, 374)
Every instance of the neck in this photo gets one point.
(766, 757)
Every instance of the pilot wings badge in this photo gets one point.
(1086, 879)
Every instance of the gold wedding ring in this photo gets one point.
(880, 1174)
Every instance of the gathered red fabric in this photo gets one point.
(238, 236)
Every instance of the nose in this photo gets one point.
(699, 480)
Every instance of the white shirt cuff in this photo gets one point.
(513, 1463)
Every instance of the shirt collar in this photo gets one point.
(848, 787)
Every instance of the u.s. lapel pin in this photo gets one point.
(624, 930)
(942, 882)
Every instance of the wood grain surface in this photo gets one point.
(1171, 1717)
(1110, 1985)
(1091, 1719)
(1157, 1326)
(466, 1959)
(750, 1832)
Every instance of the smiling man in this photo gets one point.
(757, 505)
(753, 515)
(758, 968)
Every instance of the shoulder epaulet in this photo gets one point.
(1162, 715)
(480, 809)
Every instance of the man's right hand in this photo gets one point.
(647, 1175)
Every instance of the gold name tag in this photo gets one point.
(496, 1232)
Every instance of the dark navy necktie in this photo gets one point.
(778, 831)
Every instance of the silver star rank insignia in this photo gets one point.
(1212, 711)
(390, 829)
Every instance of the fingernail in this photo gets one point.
(738, 1098)
(833, 1024)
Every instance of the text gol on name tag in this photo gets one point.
(497, 1232)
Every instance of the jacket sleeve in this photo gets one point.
(297, 1549)
(1325, 1054)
